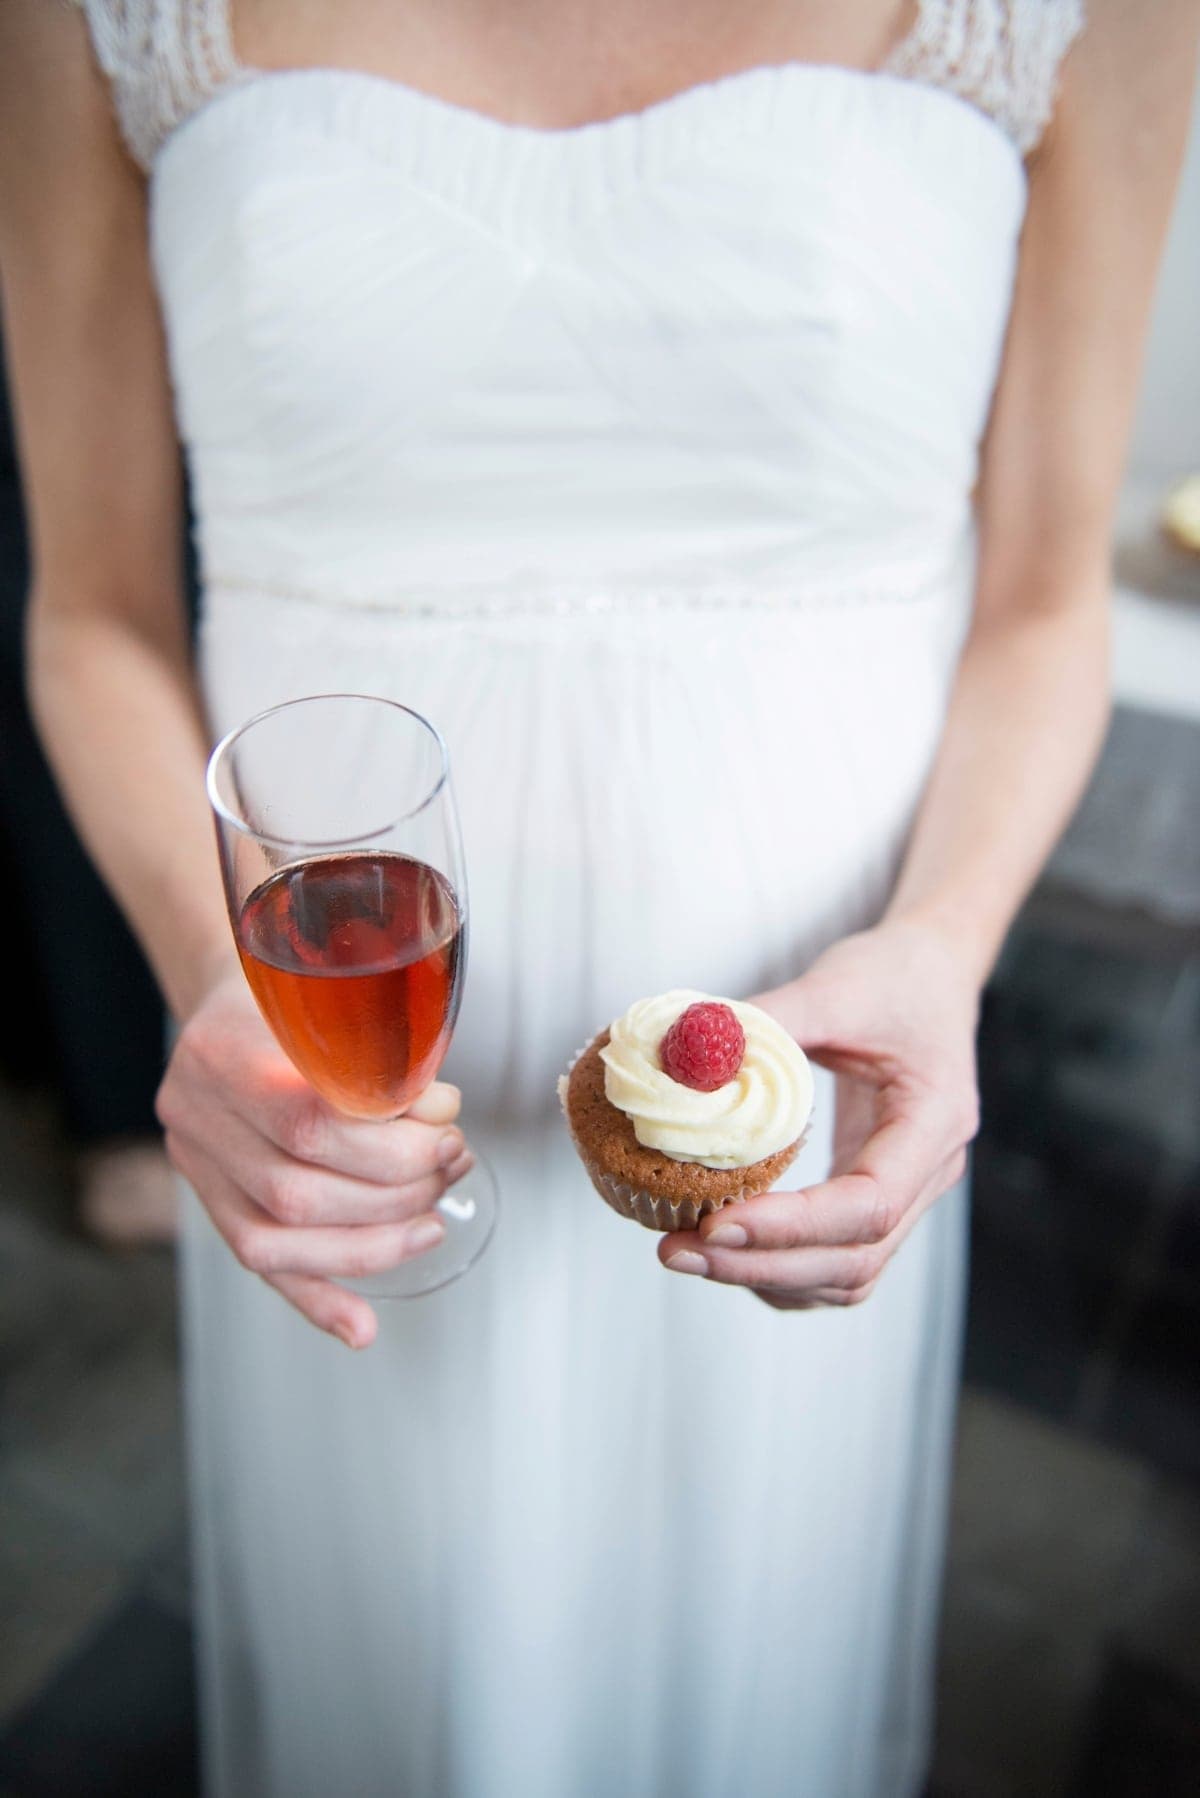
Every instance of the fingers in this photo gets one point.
(438, 1104)
(864, 1206)
(269, 1248)
(300, 1123)
(273, 1110)
(848, 1209)
(794, 1255)
(297, 1158)
(799, 1272)
(819, 1299)
(301, 1195)
(293, 1192)
(330, 1307)
(229, 1063)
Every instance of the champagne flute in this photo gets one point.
(343, 868)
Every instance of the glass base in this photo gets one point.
(469, 1212)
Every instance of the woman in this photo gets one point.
(712, 420)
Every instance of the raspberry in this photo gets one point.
(704, 1046)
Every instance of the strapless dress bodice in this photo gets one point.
(743, 341)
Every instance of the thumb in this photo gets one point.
(438, 1104)
(804, 1009)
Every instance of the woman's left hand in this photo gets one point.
(891, 1011)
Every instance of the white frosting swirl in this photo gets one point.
(761, 1110)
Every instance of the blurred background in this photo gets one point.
(1071, 1633)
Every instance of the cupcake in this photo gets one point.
(684, 1105)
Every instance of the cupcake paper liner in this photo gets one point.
(647, 1208)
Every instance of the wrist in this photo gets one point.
(969, 941)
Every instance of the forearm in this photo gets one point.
(120, 721)
(1026, 720)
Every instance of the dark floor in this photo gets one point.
(1071, 1633)
(1071, 1652)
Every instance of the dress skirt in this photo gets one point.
(577, 1527)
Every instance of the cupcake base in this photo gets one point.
(640, 1183)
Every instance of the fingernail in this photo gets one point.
(728, 1236)
(686, 1262)
(450, 1148)
(346, 1334)
(426, 1234)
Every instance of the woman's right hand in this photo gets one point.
(301, 1194)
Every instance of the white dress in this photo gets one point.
(639, 457)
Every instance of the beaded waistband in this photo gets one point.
(538, 598)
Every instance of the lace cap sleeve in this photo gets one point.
(163, 60)
(1003, 56)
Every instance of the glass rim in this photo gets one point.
(221, 749)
